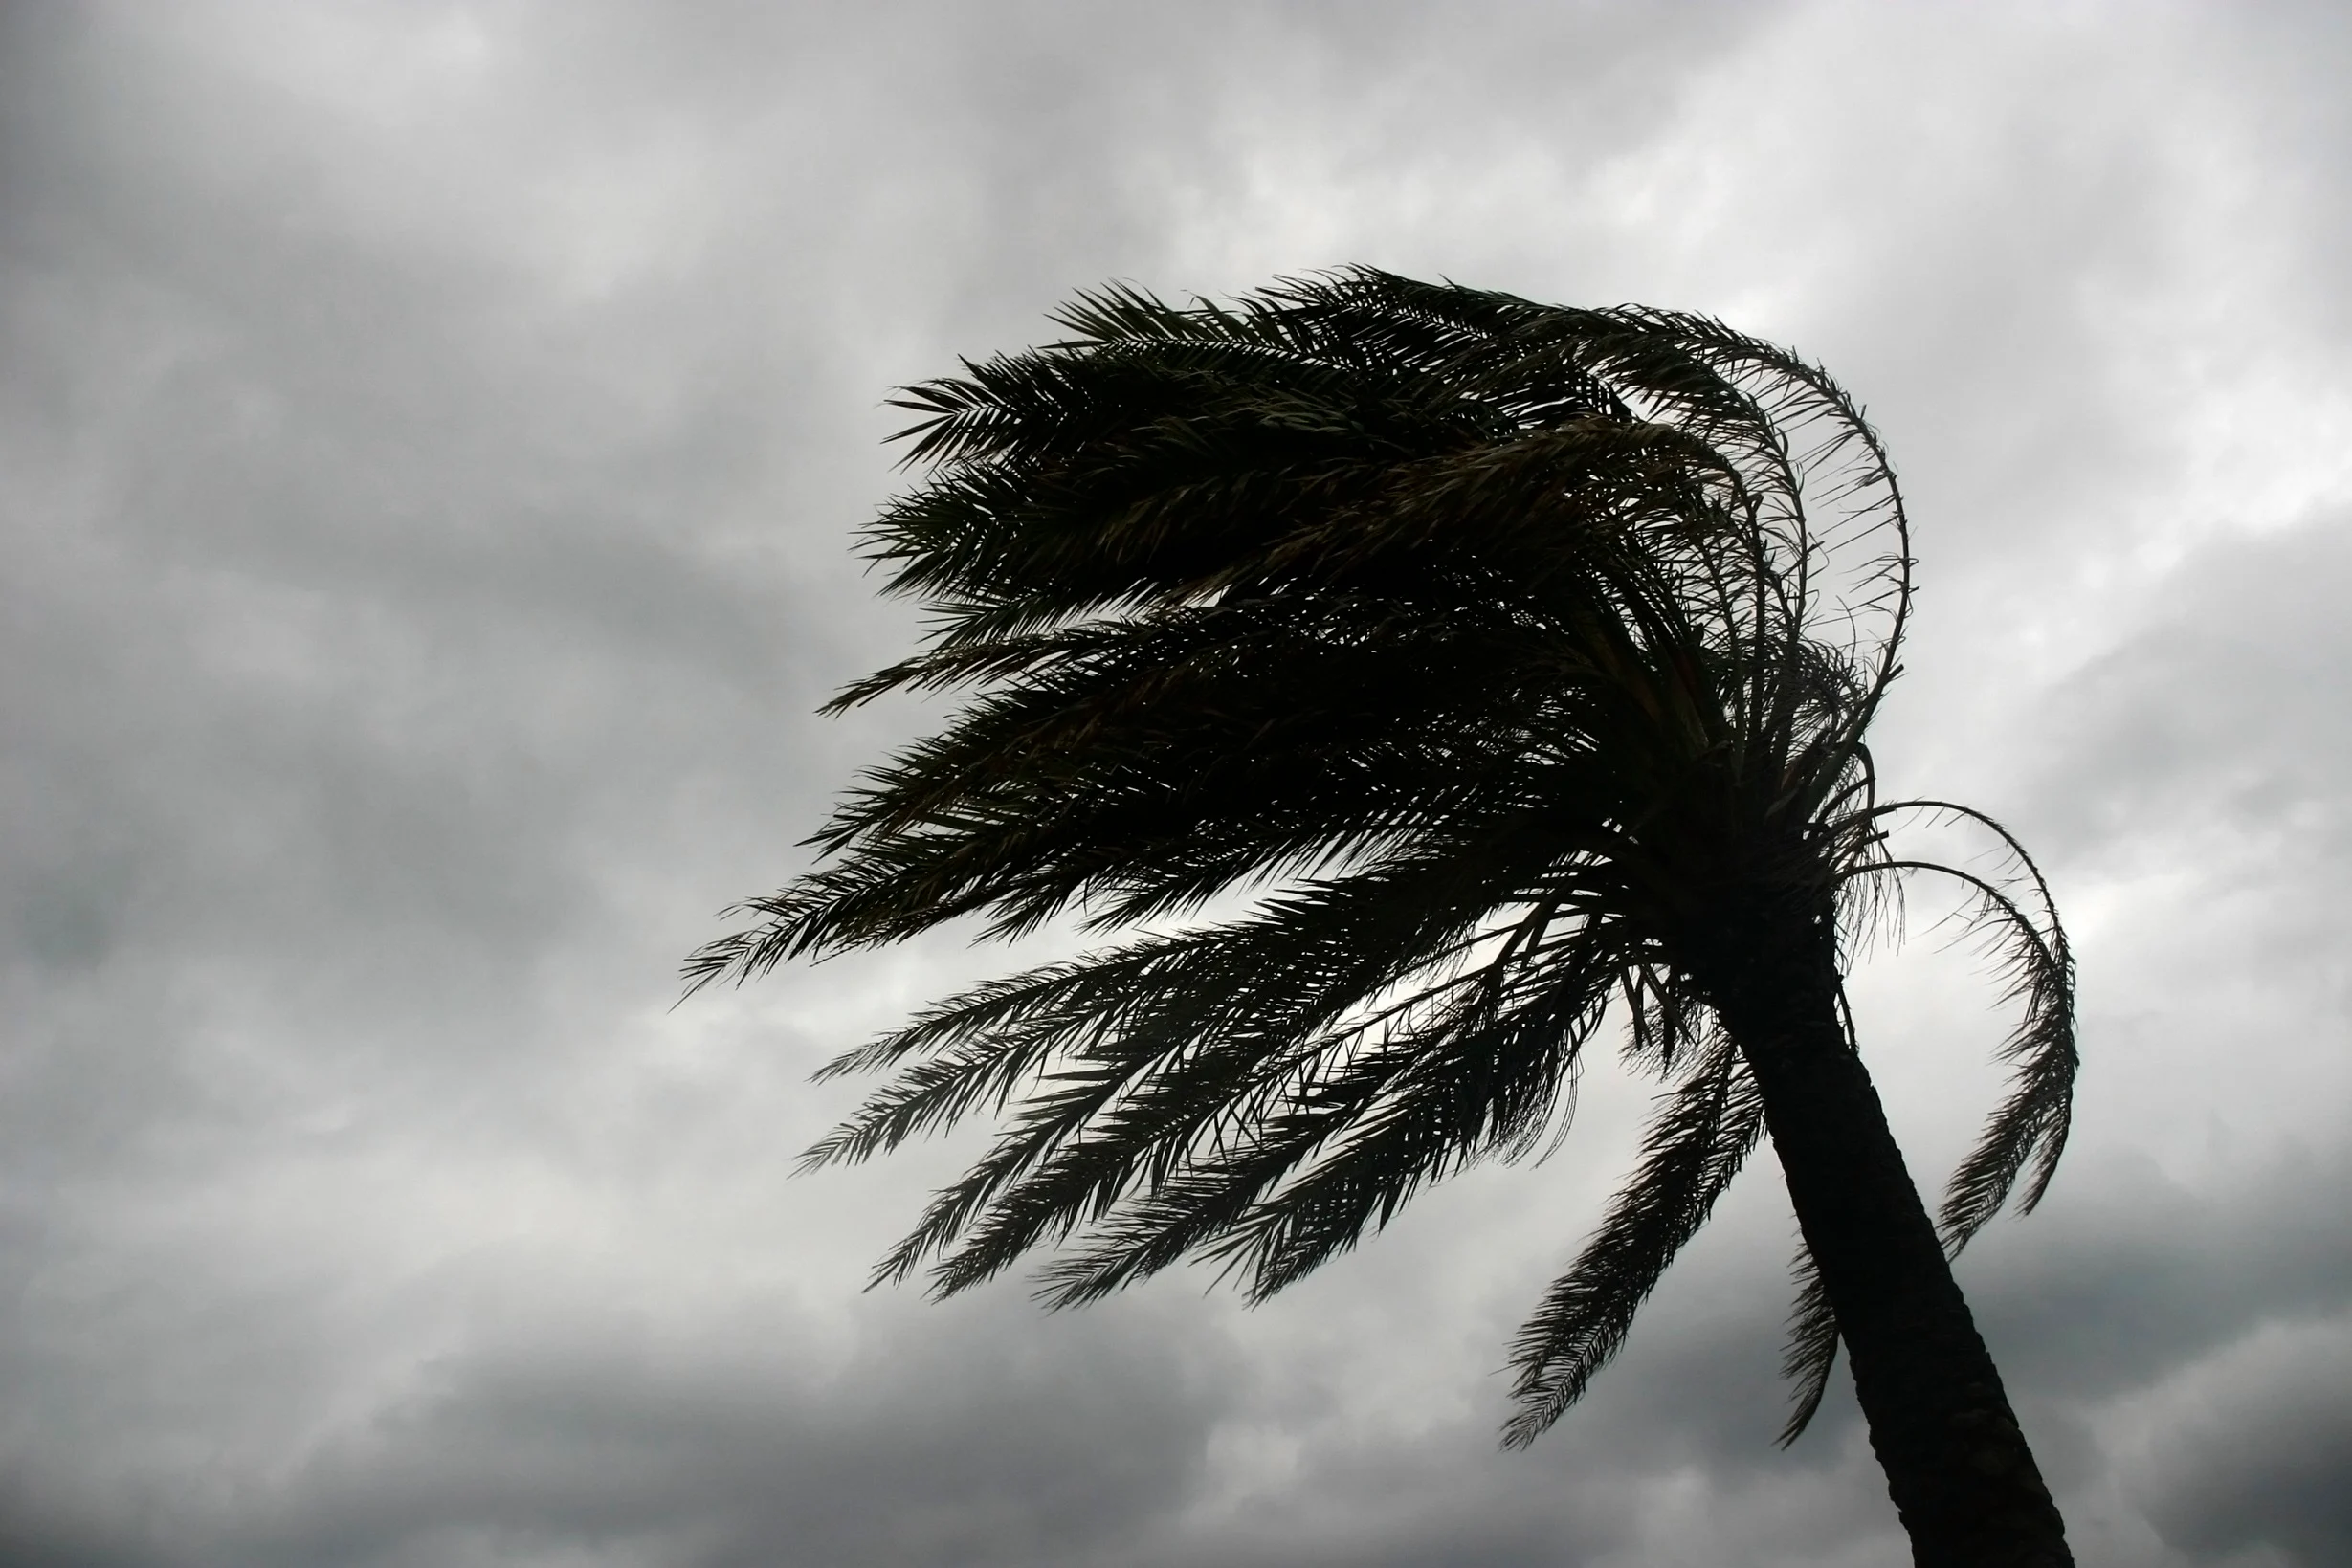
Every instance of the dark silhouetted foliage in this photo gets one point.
(1507, 667)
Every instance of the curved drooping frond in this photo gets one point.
(1469, 646)
(1692, 1149)
(2014, 915)
(1812, 1347)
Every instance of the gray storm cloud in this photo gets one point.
(430, 442)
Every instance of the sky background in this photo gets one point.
(431, 437)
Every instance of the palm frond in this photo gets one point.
(1130, 1054)
(1407, 1091)
(1692, 1149)
(1812, 1347)
(2027, 1134)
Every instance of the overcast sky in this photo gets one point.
(431, 436)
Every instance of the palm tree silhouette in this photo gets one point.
(1513, 663)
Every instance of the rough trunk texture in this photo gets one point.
(1957, 1466)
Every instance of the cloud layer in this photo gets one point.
(432, 436)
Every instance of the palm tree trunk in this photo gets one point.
(1956, 1463)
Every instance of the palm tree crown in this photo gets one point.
(1512, 663)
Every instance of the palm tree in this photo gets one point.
(1501, 672)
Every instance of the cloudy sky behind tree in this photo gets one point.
(431, 436)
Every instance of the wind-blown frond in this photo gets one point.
(1812, 1347)
(1153, 1039)
(1339, 1149)
(1692, 1149)
(2018, 920)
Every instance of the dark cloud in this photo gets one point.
(935, 1444)
(2250, 1449)
(432, 435)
